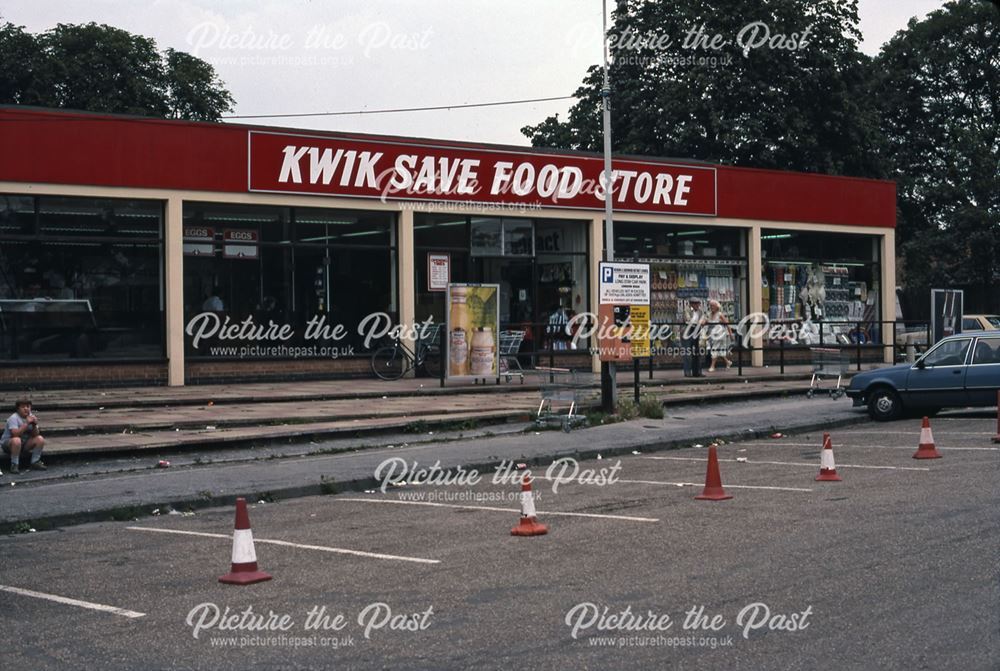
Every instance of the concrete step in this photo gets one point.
(200, 395)
(75, 441)
(247, 436)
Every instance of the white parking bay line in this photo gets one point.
(702, 484)
(798, 463)
(320, 548)
(72, 602)
(917, 433)
(837, 445)
(434, 504)
(687, 484)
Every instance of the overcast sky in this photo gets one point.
(280, 56)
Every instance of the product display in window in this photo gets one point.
(828, 292)
(673, 286)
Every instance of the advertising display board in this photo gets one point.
(473, 317)
(623, 306)
(438, 271)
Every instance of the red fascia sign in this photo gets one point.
(318, 165)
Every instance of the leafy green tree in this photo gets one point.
(101, 68)
(939, 90)
(768, 106)
(193, 89)
(19, 56)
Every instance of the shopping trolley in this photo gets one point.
(827, 362)
(510, 345)
(562, 385)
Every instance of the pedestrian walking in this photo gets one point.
(719, 333)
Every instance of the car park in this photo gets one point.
(962, 370)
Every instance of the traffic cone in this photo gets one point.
(827, 468)
(244, 569)
(713, 481)
(529, 525)
(926, 449)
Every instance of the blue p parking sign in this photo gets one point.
(624, 284)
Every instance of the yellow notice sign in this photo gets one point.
(639, 316)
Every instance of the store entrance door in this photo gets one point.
(515, 277)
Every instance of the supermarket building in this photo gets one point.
(120, 236)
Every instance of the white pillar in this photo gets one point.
(596, 254)
(756, 297)
(173, 278)
(404, 265)
(888, 314)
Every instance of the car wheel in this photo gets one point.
(884, 404)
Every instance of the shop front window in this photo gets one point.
(828, 278)
(687, 262)
(444, 240)
(80, 278)
(306, 268)
(539, 264)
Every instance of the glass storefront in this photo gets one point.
(289, 266)
(83, 277)
(688, 262)
(823, 277)
(80, 278)
(540, 265)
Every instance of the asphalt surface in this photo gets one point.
(91, 490)
(892, 568)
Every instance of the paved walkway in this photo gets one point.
(154, 418)
(353, 388)
(123, 494)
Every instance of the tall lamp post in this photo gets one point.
(609, 388)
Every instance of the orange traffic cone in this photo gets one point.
(244, 569)
(827, 468)
(529, 524)
(926, 449)
(713, 481)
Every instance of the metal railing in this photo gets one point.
(545, 345)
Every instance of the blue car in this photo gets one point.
(959, 371)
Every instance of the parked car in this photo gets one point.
(980, 322)
(917, 337)
(959, 371)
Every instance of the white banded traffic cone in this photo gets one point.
(827, 467)
(244, 568)
(926, 449)
(529, 524)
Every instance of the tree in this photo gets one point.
(674, 94)
(939, 90)
(100, 68)
(19, 56)
(193, 90)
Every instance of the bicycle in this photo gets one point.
(396, 360)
